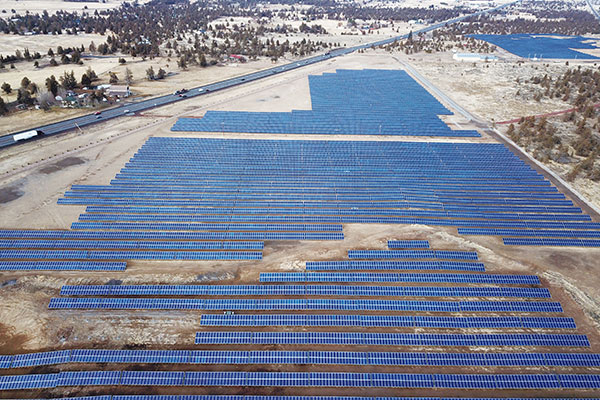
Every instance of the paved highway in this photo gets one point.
(123, 110)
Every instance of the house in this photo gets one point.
(118, 91)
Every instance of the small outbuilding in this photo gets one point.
(118, 91)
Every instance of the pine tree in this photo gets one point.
(128, 76)
(150, 74)
(6, 88)
(3, 108)
(52, 85)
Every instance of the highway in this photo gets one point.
(144, 105)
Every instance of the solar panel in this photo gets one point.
(390, 339)
(397, 277)
(301, 304)
(298, 290)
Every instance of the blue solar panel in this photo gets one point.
(129, 245)
(408, 244)
(289, 379)
(129, 255)
(390, 339)
(541, 46)
(393, 265)
(305, 190)
(61, 266)
(396, 254)
(386, 321)
(298, 290)
(89, 378)
(301, 304)
(332, 113)
(45, 358)
(152, 378)
(396, 277)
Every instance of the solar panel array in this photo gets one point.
(302, 379)
(236, 189)
(191, 198)
(347, 102)
(516, 319)
(90, 356)
(540, 46)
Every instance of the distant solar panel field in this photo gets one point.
(544, 46)
(347, 102)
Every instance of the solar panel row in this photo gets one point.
(249, 227)
(392, 217)
(408, 244)
(129, 235)
(61, 266)
(398, 277)
(127, 255)
(395, 254)
(551, 242)
(307, 379)
(389, 195)
(393, 265)
(300, 357)
(302, 304)
(390, 339)
(530, 232)
(298, 290)
(130, 245)
(386, 321)
(420, 202)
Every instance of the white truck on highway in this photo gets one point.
(27, 135)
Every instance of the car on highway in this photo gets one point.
(98, 113)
